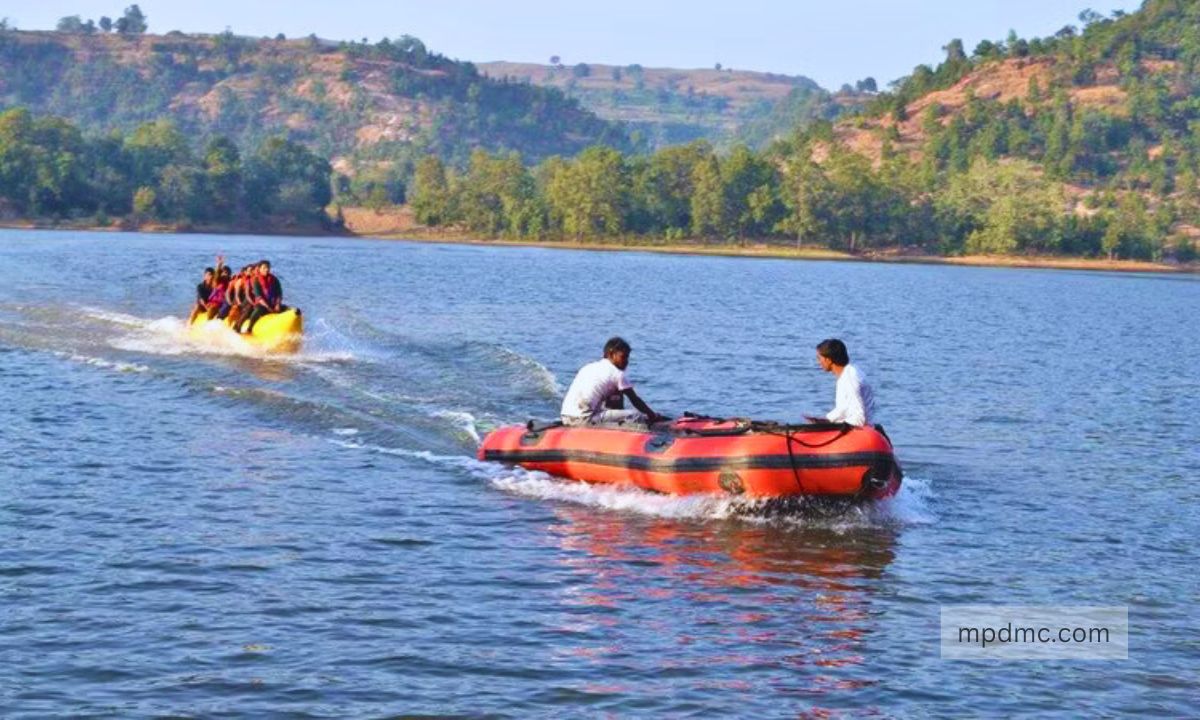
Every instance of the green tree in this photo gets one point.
(223, 177)
(155, 145)
(588, 196)
(805, 193)
(144, 201)
(497, 195)
(180, 194)
(42, 164)
(857, 211)
(666, 186)
(431, 197)
(70, 24)
(867, 85)
(1002, 207)
(710, 215)
(18, 171)
(285, 178)
(751, 193)
(133, 22)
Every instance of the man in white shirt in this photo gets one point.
(854, 399)
(596, 382)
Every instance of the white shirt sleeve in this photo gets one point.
(850, 405)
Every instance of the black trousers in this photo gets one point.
(258, 312)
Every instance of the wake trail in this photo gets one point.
(910, 506)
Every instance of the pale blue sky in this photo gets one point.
(830, 41)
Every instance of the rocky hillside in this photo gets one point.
(670, 106)
(1113, 86)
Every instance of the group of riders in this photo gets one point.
(241, 299)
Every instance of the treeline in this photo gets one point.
(50, 169)
(1002, 206)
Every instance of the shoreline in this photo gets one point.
(117, 226)
(777, 252)
(747, 250)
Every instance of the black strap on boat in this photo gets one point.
(789, 433)
(792, 462)
(773, 428)
(532, 426)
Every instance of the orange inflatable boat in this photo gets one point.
(697, 454)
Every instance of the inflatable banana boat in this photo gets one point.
(696, 454)
(277, 332)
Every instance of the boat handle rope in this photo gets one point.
(769, 427)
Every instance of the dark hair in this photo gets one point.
(208, 270)
(225, 271)
(616, 345)
(264, 262)
(835, 350)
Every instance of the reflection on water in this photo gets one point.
(769, 608)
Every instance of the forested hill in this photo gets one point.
(670, 106)
(1085, 143)
(358, 104)
(1105, 112)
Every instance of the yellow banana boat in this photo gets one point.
(277, 332)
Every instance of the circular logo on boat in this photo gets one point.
(730, 482)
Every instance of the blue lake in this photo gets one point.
(191, 529)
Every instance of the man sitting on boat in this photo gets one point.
(205, 288)
(216, 299)
(266, 294)
(587, 401)
(854, 400)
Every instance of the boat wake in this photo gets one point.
(910, 506)
(104, 362)
(542, 378)
(171, 336)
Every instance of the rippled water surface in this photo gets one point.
(187, 528)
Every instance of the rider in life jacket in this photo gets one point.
(216, 299)
(205, 288)
(266, 294)
(237, 299)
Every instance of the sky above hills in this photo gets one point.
(831, 42)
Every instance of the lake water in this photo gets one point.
(189, 529)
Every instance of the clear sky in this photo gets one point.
(831, 41)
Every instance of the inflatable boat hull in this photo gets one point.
(690, 456)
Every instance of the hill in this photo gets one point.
(1104, 114)
(1085, 143)
(671, 106)
(359, 105)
